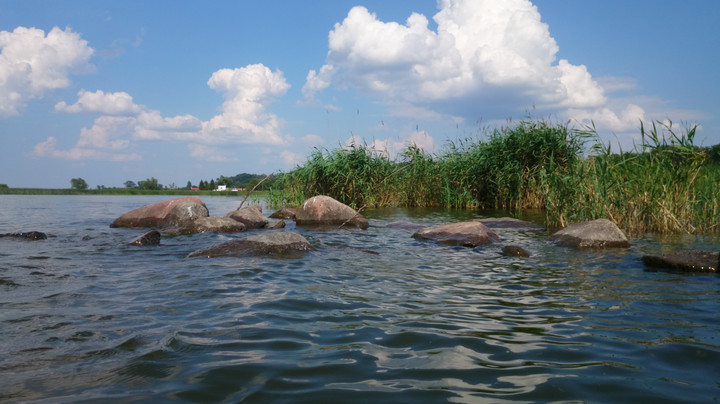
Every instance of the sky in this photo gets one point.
(180, 91)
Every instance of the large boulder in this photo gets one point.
(470, 234)
(685, 261)
(324, 210)
(174, 212)
(250, 216)
(600, 233)
(207, 224)
(266, 243)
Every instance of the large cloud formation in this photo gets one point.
(243, 119)
(31, 64)
(485, 56)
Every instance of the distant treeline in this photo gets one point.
(666, 184)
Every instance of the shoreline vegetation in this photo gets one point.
(665, 185)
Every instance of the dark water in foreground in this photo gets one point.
(100, 321)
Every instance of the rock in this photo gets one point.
(250, 216)
(600, 233)
(514, 251)
(266, 243)
(278, 224)
(174, 212)
(30, 235)
(469, 234)
(284, 213)
(324, 210)
(405, 225)
(207, 224)
(510, 223)
(685, 261)
(150, 238)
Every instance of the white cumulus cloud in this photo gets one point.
(244, 117)
(119, 103)
(32, 63)
(499, 52)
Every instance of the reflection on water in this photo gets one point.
(85, 316)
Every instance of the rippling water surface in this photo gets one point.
(85, 317)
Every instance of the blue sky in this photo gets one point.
(183, 91)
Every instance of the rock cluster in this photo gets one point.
(190, 216)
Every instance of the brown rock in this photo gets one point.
(324, 210)
(266, 243)
(469, 234)
(600, 233)
(284, 213)
(174, 212)
(514, 251)
(685, 261)
(250, 216)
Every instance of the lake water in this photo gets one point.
(85, 317)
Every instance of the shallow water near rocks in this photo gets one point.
(85, 317)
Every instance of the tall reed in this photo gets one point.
(665, 184)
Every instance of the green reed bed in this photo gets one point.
(665, 185)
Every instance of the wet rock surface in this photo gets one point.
(150, 238)
(30, 235)
(469, 234)
(514, 251)
(684, 261)
(267, 243)
(284, 213)
(600, 233)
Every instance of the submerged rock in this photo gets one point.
(277, 224)
(30, 235)
(250, 216)
(150, 238)
(470, 234)
(267, 243)
(207, 224)
(685, 261)
(514, 251)
(324, 210)
(174, 212)
(284, 213)
(510, 223)
(600, 233)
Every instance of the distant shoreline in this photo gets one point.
(124, 191)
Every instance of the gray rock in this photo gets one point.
(324, 210)
(470, 234)
(266, 243)
(150, 238)
(284, 213)
(600, 233)
(174, 212)
(30, 235)
(510, 223)
(685, 261)
(207, 224)
(514, 251)
(278, 224)
(250, 216)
